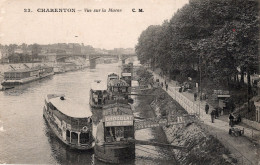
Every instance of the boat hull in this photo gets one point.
(73, 146)
(115, 153)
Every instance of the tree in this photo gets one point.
(36, 49)
(218, 37)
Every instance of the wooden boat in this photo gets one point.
(114, 132)
(98, 94)
(70, 122)
(22, 76)
(115, 141)
(118, 89)
(127, 73)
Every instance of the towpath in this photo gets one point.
(245, 148)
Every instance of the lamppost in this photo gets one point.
(200, 75)
(200, 83)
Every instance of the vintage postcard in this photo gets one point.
(138, 82)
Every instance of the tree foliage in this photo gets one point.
(214, 36)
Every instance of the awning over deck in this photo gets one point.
(70, 108)
(98, 86)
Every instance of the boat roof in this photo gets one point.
(27, 69)
(70, 108)
(98, 86)
(115, 82)
(124, 108)
(112, 74)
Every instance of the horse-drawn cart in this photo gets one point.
(236, 131)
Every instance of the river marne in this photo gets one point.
(25, 137)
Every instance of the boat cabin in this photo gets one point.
(21, 76)
(70, 122)
(118, 122)
(26, 73)
(127, 73)
(118, 88)
(98, 94)
(112, 76)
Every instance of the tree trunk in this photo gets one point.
(249, 83)
(235, 79)
(242, 77)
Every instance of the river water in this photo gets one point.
(25, 137)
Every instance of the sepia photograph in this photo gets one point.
(134, 82)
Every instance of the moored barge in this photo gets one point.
(70, 122)
(114, 133)
(22, 76)
(119, 89)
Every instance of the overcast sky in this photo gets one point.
(101, 30)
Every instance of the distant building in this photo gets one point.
(100, 51)
(123, 51)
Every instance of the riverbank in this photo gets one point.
(203, 148)
(245, 148)
(142, 108)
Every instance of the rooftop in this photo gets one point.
(117, 109)
(27, 69)
(98, 86)
(117, 82)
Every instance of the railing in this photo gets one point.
(188, 105)
(193, 108)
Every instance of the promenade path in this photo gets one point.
(245, 148)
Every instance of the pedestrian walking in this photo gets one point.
(165, 82)
(195, 96)
(239, 118)
(180, 89)
(231, 119)
(216, 113)
(207, 108)
(162, 84)
(166, 87)
(212, 114)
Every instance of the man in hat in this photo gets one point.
(212, 114)
(207, 108)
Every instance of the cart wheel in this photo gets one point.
(236, 133)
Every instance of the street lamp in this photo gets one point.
(199, 67)
(200, 82)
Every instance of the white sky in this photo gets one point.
(101, 30)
